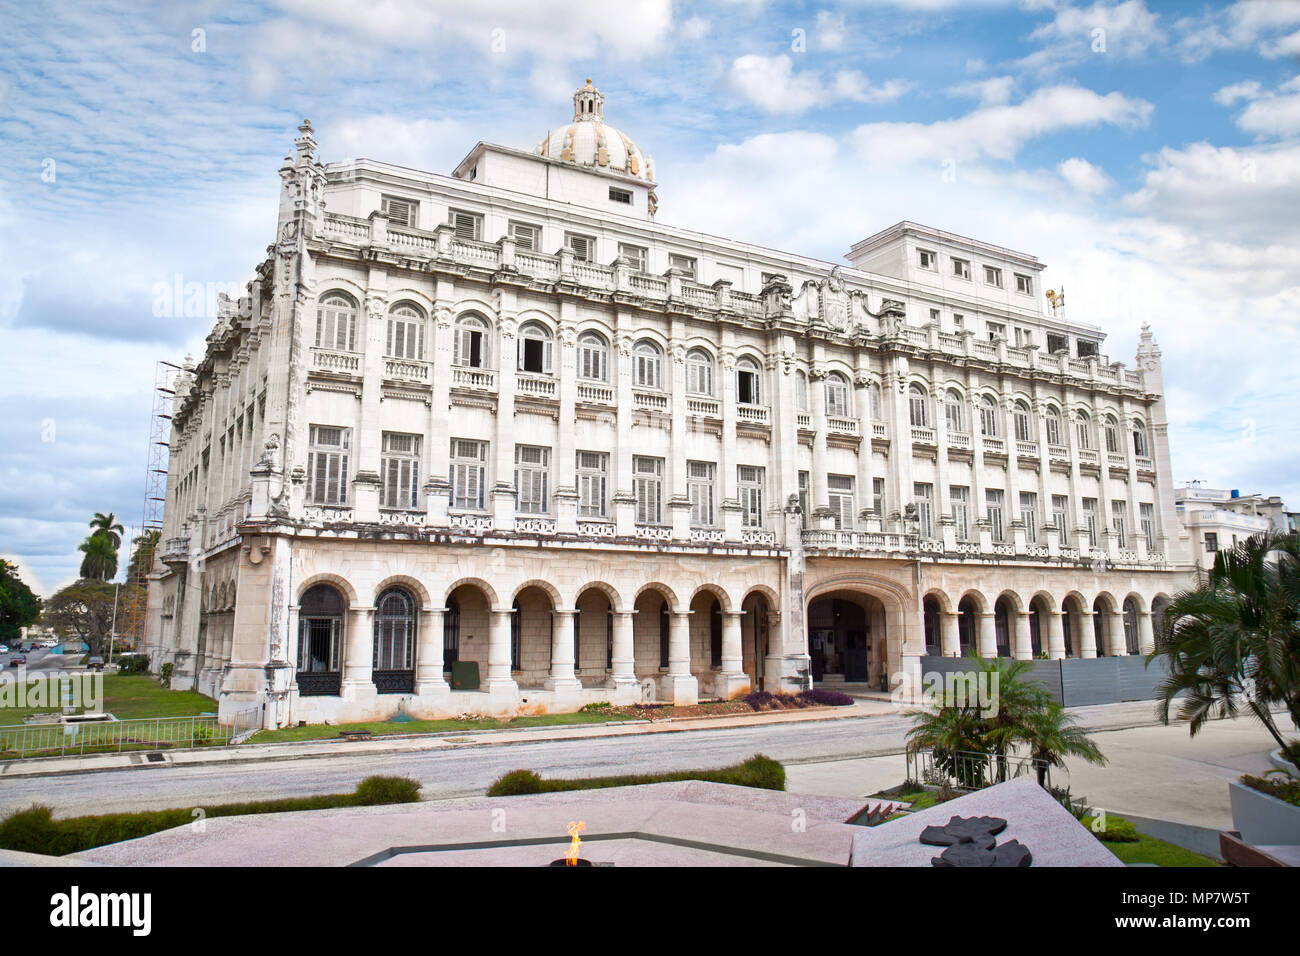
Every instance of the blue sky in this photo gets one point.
(1148, 152)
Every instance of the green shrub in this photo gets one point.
(596, 707)
(134, 664)
(165, 674)
(382, 790)
(1116, 830)
(1276, 783)
(758, 771)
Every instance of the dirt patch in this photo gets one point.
(713, 708)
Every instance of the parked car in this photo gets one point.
(4, 648)
(17, 659)
(96, 663)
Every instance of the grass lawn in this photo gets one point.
(1150, 850)
(388, 728)
(125, 696)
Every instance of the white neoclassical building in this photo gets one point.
(500, 441)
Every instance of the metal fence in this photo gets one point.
(971, 771)
(118, 736)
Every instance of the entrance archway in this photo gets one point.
(532, 630)
(846, 637)
(320, 641)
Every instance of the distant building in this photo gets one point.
(1216, 518)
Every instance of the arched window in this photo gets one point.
(405, 332)
(952, 410)
(988, 416)
(451, 633)
(336, 322)
(1083, 427)
(800, 391)
(647, 365)
(536, 349)
(1140, 446)
(471, 346)
(1111, 426)
(749, 379)
(320, 641)
(1024, 424)
(394, 653)
(1053, 425)
(918, 404)
(593, 357)
(1130, 626)
(837, 395)
(699, 372)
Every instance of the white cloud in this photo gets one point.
(695, 28)
(1084, 176)
(1125, 29)
(1245, 90)
(1270, 113)
(998, 132)
(830, 31)
(1285, 46)
(995, 91)
(772, 84)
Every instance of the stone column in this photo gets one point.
(1055, 636)
(500, 684)
(732, 680)
(437, 455)
(820, 498)
(622, 678)
(949, 636)
(502, 499)
(862, 395)
(987, 640)
(429, 681)
(1146, 633)
(1087, 635)
(679, 684)
(562, 679)
(1118, 643)
(358, 655)
(1023, 646)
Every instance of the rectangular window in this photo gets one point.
(1024, 338)
(1085, 349)
(593, 481)
(1090, 520)
(1119, 520)
(995, 499)
(1029, 515)
(400, 212)
(749, 481)
(405, 336)
(1057, 343)
(1061, 518)
(958, 321)
(699, 488)
(336, 325)
(924, 494)
(1024, 284)
(533, 479)
(327, 465)
(934, 315)
(469, 346)
(840, 488)
(747, 386)
(623, 196)
(926, 259)
(803, 498)
(399, 471)
(648, 486)
(1211, 541)
(961, 268)
(526, 236)
(1147, 515)
(993, 276)
(468, 474)
(878, 496)
(468, 225)
(960, 495)
(637, 256)
(996, 331)
(582, 247)
(684, 263)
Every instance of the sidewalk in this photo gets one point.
(416, 743)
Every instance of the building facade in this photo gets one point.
(1217, 519)
(505, 418)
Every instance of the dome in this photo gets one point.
(590, 141)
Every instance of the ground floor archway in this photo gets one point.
(846, 637)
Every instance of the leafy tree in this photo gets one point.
(19, 607)
(1050, 736)
(85, 610)
(1235, 638)
(100, 561)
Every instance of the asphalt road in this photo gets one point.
(468, 770)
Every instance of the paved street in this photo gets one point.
(1153, 769)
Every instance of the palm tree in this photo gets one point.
(1050, 736)
(107, 525)
(100, 561)
(948, 733)
(1017, 701)
(1236, 637)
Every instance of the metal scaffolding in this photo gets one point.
(155, 496)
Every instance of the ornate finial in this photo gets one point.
(588, 103)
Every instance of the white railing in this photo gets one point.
(595, 394)
(1058, 452)
(543, 267)
(1027, 448)
(705, 407)
(478, 253)
(648, 285)
(1118, 461)
(1087, 456)
(533, 525)
(755, 536)
(406, 370)
(803, 420)
(858, 541)
(994, 445)
(650, 401)
(654, 532)
(924, 436)
(399, 516)
(346, 227)
(596, 529)
(879, 429)
(329, 514)
(707, 535)
(479, 379)
(471, 523)
(1145, 464)
(842, 426)
(958, 440)
(536, 386)
(423, 242)
(753, 414)
(328, 360)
